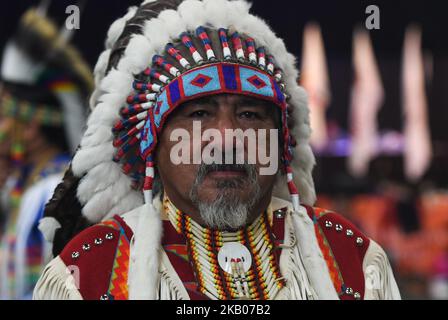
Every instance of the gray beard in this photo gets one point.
(227, 211)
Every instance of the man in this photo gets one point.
(176, 221)
(43, 86)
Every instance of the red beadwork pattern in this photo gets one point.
(332, 264)
(118, 287)
(257, 82)
(201, 80)
(341, 252)
(178, 249)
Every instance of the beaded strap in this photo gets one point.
(118, 284)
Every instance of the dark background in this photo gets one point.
(287, 17)
(337, 19)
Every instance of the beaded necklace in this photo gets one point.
(230, 265)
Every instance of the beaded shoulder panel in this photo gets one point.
(343, 246)
(98, 258)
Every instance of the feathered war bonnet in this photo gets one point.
(44, 77)
(150, 53)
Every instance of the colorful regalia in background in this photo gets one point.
(43, 94)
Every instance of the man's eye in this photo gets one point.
(199, 114)
(249, 115)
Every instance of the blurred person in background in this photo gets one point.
(43, 99)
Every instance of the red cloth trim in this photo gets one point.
(93, 268)
(128, 231)
(347, 253)
(278, 225)
(349, 256)
(95, 265)
(278, 231)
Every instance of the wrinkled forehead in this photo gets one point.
(230, 104)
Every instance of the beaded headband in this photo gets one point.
(244, 69)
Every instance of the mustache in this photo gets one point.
(225, 167)
(249, 169)
(205, 168)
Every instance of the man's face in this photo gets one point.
(204, 190)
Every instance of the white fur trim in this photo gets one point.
(99, 71)
(104, 200)
(85, 159)
(313, 260)
(126, 204)
(48, 227)
(137, 50)
(117, 27)
(102, 134)
(144, 262)
(157, 32)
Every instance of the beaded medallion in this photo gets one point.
(230, 265)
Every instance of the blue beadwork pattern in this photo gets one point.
(211, 79)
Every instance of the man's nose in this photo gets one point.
(226, 121)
